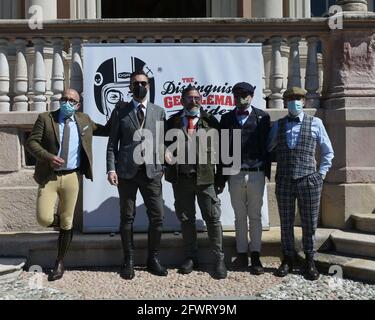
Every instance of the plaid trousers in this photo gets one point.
(307, 191)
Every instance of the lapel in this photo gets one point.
(80, 123)
(149, 115)
(133, 115)
(251, 119)
(54, 115)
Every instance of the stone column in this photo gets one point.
(267, 8)
(294, 66)
(276, 77)
(4, 76)
(85, 9)
(349, 103)
(299, 9)
(223, 8)
(11, 9)
(76, 76)
(39, 80)
(312, 73)
(49, 8)
(20, 101)
(352, 5)
(57, 79)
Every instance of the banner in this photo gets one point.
(213, 68)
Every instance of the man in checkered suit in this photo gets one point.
(295, 138)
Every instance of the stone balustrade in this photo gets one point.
(47, 60)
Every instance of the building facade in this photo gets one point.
(300, 48)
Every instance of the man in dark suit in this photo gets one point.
(61, 142)
(135, 153)
(194, 178)
(247, 186)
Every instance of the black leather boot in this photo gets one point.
(241, 261)
(311, 273)
(188, 266)
(220, 270)
(285, 267)
(65, 238)
(153, 263)
(127, 269)
(256, 265)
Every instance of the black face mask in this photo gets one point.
(139, 92)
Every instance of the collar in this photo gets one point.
(300, 116)
(136, 103)
(249, 108)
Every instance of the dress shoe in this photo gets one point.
(285, 267)
(188, 266)
(241, 261)
(311, 273)
(256, 265)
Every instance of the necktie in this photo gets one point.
(294, 119)
(140, 114)
(65, 142)
(242, 112)
(191, 126)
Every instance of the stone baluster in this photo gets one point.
(187, 40)
(222, 40)
(294, 66)
(57, 79)
(76, 77)
(353, 5)
(262, 40)
(167, 40)
(20, 101)
(4, 76)
(242, 39)
(312, 73)
(114, 40)
(276, 76)
(148, 40)
(39, 77)
(131, 40)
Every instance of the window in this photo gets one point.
(319, 8)
(153, 9)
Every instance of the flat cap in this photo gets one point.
(244, 87)
(294, 91)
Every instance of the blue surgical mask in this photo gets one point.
(295, 107)
(67, 109)
(193, 113)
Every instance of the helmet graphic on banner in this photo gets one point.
(112, 86)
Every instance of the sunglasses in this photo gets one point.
(70, 100)
(142, 83)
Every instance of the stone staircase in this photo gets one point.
(353, 250)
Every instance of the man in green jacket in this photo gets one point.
(194, 177)
(61, 142)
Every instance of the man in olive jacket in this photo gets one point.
(61, 142)
(191, 179)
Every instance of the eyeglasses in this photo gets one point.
(70, 100)
(193, 98)
(142, 83)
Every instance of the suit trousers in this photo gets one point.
(246, 192)
(151, 191)
(64, 187)
(307, 191)
(185, 193)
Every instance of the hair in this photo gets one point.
(138, 73)
(187, 90)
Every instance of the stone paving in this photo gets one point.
(105, 283)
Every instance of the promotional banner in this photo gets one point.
(212, 68)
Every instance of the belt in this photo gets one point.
(257, 169)
(65, 172)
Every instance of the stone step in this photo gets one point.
(10, 268)
(364, 222)
(105, 249)
(351, 267)
(354, 243)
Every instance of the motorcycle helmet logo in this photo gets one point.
(112, 87)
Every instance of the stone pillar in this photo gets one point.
(352, 5)
(294, 66)
(299, 9)
(267, 8)
(4, 76)
(276, 77)
(85, 9)
(39, 80)
(57, 79)
(20, 101)
(49, 8)
(312, 73)
(76, 76)
(223, 8)
(349, 103)
(11, 9)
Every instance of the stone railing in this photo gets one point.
(36, 65)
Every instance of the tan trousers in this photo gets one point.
(66, 188)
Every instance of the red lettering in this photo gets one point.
(168, 102)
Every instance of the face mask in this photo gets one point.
(295, 107)
(192, 112)
(243, 103)
(67, 109)
(139, 92)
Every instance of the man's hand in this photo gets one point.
(56, 162)
(168, 157)
(112, 178)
